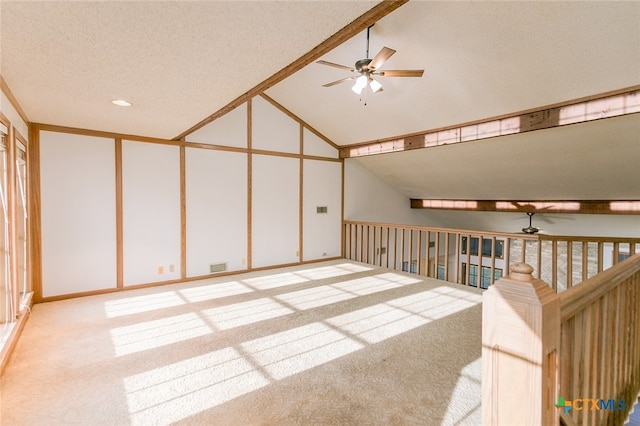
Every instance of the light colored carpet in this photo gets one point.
(334, 343)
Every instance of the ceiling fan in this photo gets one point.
(530, 229)
(366, 69)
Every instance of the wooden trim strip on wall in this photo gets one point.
(102, 134)
(361, 23)
(4, 87)
(35, 214)
(249, 184)
(119, 217)
(536, 206)
(301, 197)
(183, 212)
(528, 120)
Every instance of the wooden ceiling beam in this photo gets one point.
(360, 24)
(538, 206)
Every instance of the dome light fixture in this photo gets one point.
(121, 102)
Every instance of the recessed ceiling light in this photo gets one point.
(121, 102)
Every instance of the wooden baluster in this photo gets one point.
(600, 256)
(539, 260)
(569, 264)
(446, 258)
(387, 246)
(585, 260)
(456, 260)
(554, 265)
(436, 255)
(402, 249)
(428, 254)
(493, 259)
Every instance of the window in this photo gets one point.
(473, 275)
(485, 278)
(622, 256)
(6, 309)
(486, 246)
(24, 286)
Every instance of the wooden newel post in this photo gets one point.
(520, 344)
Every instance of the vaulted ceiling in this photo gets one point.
(181, 62)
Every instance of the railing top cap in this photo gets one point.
(521, 271)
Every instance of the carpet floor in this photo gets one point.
(332, 343)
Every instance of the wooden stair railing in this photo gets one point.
(572, 358)
(479, 258)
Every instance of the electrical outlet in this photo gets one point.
(172, 268)
(160, 269)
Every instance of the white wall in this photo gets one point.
(313, 145)
(228, 130)
(216, 195)
(321, 231)
(78, 213)
(151, 212)
(368, 198)
(275, 210)
(273, 130)
(79, 202)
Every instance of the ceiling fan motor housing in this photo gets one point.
(363, 65)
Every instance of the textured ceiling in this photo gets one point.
(179, 62)
(481, 59)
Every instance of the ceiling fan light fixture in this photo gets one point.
(361, 83)
(375, 86)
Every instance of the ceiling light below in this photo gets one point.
(361, 83)
(375, 86)
(121, 102)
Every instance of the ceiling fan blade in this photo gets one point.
(382, 56)
(331, 64)
(342, 80)
(401, 73)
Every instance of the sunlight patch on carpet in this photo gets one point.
(376, 283)
(139, 304)
(332, 271)
(293, 351)
(177, 391)
(460, 407)
(214, 291)
(154, 334)
(274, 281)
(239, 314)
(327, 294)
(314, 297)
(385, 320)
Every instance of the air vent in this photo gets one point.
(321, 209)
(217, 267)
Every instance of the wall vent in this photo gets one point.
(218, 267)
(321, 209)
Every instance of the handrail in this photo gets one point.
(439, 252)
(450, 230)
(576, 298)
